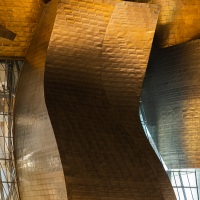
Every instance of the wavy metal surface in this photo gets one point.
(37, 158)
(20, 17)
(178, 21)
(171, 101)
(104, 153)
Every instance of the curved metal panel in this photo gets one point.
(178, 21)
(171, 101)
(38, 161)
(104, 155)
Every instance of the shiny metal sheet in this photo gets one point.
(38, 162)
(178, 21)
(171, 101)
(104, 155)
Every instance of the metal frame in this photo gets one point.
(9, 71)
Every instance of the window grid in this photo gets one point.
(9, 71)
(181, 179)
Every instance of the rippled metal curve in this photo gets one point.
(37, 158)
(171, 101)
(103, 155)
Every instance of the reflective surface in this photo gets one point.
(171, 101)
(184, 181)
(178, 21)
(104, 153)
(20, 17)
(37, 158)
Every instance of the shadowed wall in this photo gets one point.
(171, 101)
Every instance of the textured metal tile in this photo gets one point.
(20, 17)
(171, 100)
(104, 155)
(37, 158)
(178, 21)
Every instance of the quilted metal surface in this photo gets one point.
(20, 17)
(37, 158)
(171, 100)
(104, 153)
(178, 21)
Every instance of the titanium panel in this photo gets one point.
(37, 158)
(21, 17)
(171, 100)
(104, 155)
(178, 21)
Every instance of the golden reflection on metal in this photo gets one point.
(21, 17)
(104, 155)
(38, 162)
(178, 21)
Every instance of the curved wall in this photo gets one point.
(171, 101)
(37, 158)
(178, 21)
(104, 152)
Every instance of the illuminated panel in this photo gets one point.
(171, 102)
(21, 17)
(103, 155)
(37, 158)
(178, 21)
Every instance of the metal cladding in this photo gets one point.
(103, 150)
(5, 33)
(22, 18)
(37, 158)
(178, 21)
(171, 102)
